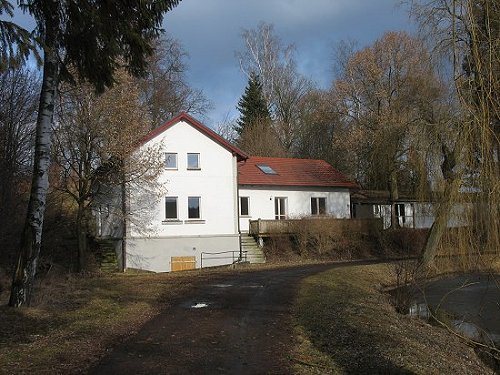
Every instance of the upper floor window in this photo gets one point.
(193, 161)
(170, 160)
(318, 206)
(244, 206)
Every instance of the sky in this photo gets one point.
(210, 32)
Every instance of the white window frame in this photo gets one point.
(199, 208)
(248, 207)
(198, 167)
(316, 201)
(176, 160)
(277, 208)
(176, 218)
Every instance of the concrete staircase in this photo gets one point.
(250, 247)
(106, 256)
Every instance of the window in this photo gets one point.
(194, 208)
(171, 208)
(400, 213)
(318, 206)
(244, 206)
(280, 208)
(266, 169)
(193, 161)
(170, 160)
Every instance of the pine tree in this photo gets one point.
(252, 105)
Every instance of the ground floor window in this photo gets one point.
(194, 208)
(280, 208)
(318, 206)
(171, 208)
(244, 206)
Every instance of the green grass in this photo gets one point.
(345, 324)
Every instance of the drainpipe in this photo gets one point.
(240, 258)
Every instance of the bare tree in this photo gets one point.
(382, 91)
(283, 86)
(467, 31)
(95, 133)
(18, 104)
(165, 90)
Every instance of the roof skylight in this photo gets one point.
(266, 169)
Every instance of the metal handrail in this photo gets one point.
(216, 256)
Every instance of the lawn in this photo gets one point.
(346, 324)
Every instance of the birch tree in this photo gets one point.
(283, 86)
(92, 37)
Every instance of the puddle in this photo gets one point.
(222, 285)
(199, 305)
(253, 286)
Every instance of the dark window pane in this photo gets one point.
(322, 206)
(314, 206)
(194, 207)
(171, 207)
(244, 206)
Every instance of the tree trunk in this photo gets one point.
(82, 237)
(440, 224)
(31, 238)
(394, 196)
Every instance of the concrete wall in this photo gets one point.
(261, 203)
(155, 254)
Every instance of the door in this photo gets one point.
(183, 263)
(280, 208)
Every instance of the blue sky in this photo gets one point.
(210, 31)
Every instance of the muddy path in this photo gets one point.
(236, 324)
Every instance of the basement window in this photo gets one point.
(266, 169)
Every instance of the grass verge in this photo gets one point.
(345, 324)
(76, 319)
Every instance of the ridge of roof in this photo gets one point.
(183, 116)
(292, 172)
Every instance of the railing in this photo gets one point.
(263, 228)
(221, 255)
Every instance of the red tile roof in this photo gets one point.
(292, 172)
(199, 126)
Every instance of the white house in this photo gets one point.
(205, 195)
(280, 188)
(197, 214)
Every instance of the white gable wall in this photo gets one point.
(261, 205)
(215, 183)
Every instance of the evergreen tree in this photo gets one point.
(252, 105)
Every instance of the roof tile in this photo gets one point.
(292, 172)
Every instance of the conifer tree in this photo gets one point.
(252, 105)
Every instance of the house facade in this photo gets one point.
(204, 197)
(193, 221)
(286, 188)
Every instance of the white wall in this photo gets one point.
(151, 239)
(215, 183)
(261, 205)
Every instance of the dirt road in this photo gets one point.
(236, 324)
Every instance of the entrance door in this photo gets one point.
(280, 208)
